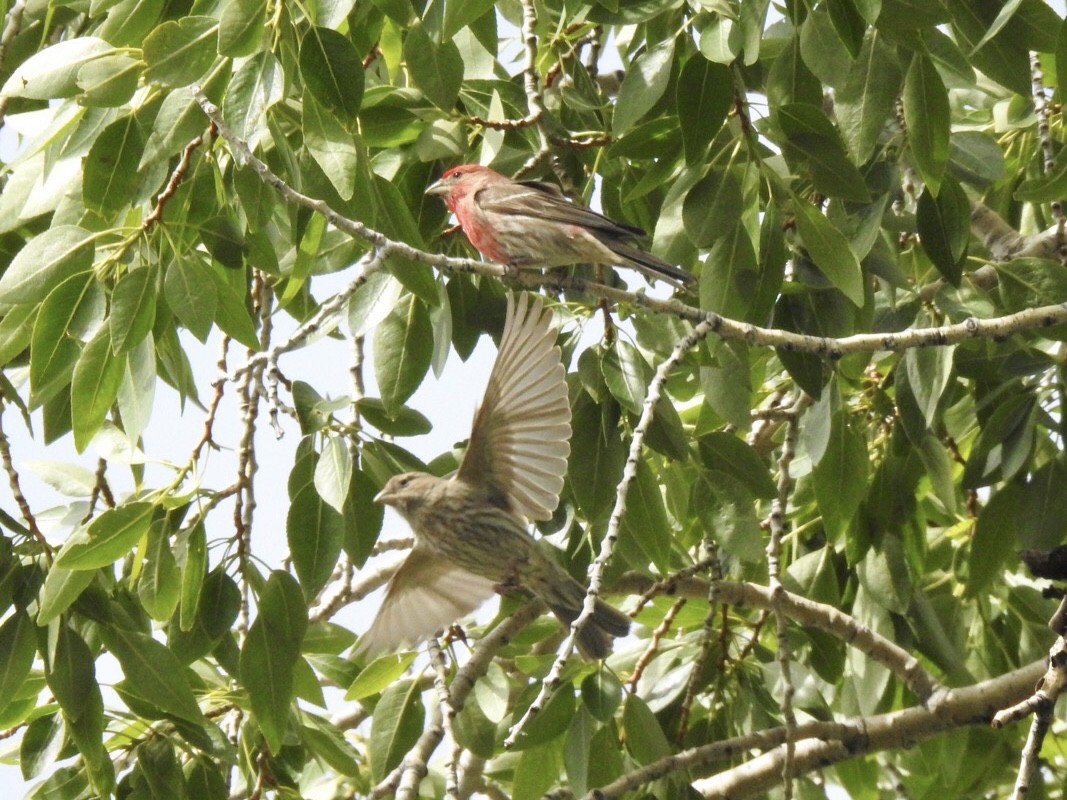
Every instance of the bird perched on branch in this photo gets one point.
(470, 529)
(531, 225)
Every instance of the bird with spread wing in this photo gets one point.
(470, 529)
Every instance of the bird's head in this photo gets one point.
(462, 180)
(406, 491)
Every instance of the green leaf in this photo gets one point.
(789, 80)
(728, 275)
(16, 331)
(189, 289)
(645, 82)
(257, 85)
(372, 302)
(61, 588)
(865, 103)
(53, 351)
(644, 736)
(725, 510)
(1031, 282)
(823, 50)
(841, 476)
(332, 70)
(53, 71)
(849, 24)
(110, 178)
(712, 207)
(333, 472)
(270, 653)
(395, 727)
(231, 312)
(204, 779)
(537, 771)
(927, 116)
(154, 670)
(1003, 58)
(403, 345)
(721, 39)
(550, 722)
(159, 587)
(71, 673)
(379, 675)
(727, 453)
(46, 261)
(883, 573)
(241, 27)
(944, 225)
(1004, 443)
(328, 743)
(929, 370)
(597, 456)
(830, 251)
(436, 67)
(18, 646)
(193, 575)
(133, 309)
(626, 374)
(315, 532)
(602, 693)
(1049, 187)
(108, 537)
(137, 390)
(94, 387)
(109, 81)
(363, 518)
(993, 540)
(645, 521)
(1061, 57)
(474, 731)
(405, 421)
(814, 144)
(703, 97)
(180, 51)
(41, 744)
(332, 147)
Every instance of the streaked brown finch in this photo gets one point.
(470, 529)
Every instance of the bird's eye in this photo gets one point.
(405, 481)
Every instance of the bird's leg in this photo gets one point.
(454, 633)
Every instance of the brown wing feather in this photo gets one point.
(533, 198)
(426, 594)
(521, 435)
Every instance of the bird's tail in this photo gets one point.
(638, 259)
(607, 622)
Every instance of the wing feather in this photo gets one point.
(521, 435)
(544, 202)
(425, 595)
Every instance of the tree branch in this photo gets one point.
(816, 615)
(723, 327)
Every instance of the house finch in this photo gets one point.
(531, 225)
(470, 530)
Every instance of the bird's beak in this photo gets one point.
(439, 188)
(383, 497)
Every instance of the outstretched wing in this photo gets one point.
(425, 595)
(521, 436)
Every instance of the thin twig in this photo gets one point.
(607, 545)
(16, 487)
(723, 327)
(777, 525)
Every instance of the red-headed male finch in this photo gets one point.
(470, 529)
(531, 225)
